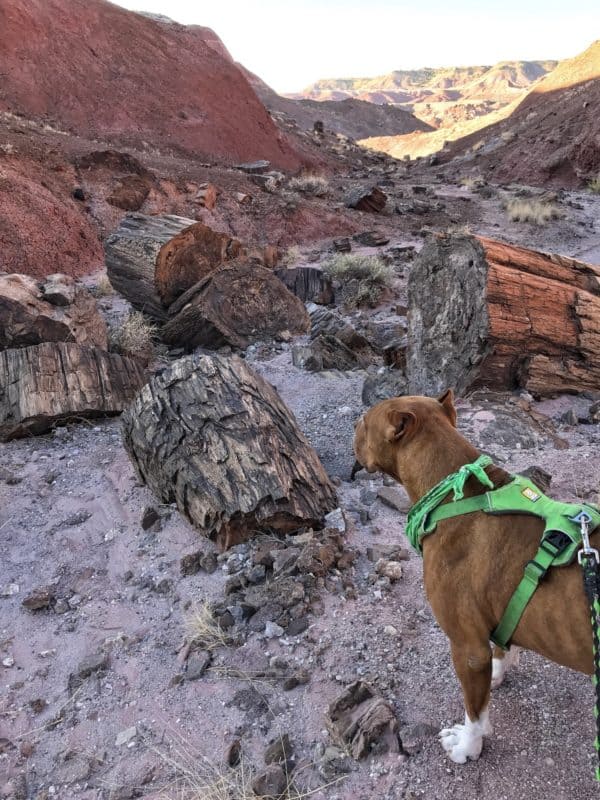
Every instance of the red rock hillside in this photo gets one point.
(553, 136)
(100, 71)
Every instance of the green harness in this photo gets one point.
(560, 540)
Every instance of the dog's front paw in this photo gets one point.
(462, 742)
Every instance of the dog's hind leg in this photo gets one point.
(473, 665)
(502, 660)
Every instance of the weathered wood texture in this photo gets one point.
(152, 261)
(190, 256)
(308, 283)
(484, 313)
(53, 310)
(53, 382)
(131, 253)
(236, 304)
(366, 198)
(215, 438)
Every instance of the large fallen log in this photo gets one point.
(55, 309)
(484, 313)
(215, 438)
(237, 304)
(49, 383)
(153, 260)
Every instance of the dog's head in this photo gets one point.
(393, 430)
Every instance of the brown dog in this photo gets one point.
(472, 564)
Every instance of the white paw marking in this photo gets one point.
(462, 742)
(500, 666)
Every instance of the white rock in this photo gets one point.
(272, 630)
(9, 590)
(126, 736)
(335, 519)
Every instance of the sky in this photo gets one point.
(290, 45)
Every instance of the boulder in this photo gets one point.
(56, 309)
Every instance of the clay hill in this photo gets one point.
(552, 136)
(351, 116)
(438, 96)
(168, 90)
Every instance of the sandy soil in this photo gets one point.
(70, 520)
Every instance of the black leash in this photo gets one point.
(590, 563)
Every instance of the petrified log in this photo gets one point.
(484, 313)
(55, 309)
(365, 198)
(308, 283)
(215, 438)
(153, 260)
(237, 304)
(54, 382)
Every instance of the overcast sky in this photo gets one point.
(290, 45)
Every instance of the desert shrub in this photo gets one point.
(315, 185)
(534, 211)
(363, 278)
(472, 181)
(291, 256)
(594, 185)
(135, 337)
(103, 287)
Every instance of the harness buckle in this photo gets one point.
(534, 571)
(586, 551)
(557, 539)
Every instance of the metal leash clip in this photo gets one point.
(586, 551)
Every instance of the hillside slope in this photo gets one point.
(352, 117)
(552, 136)
(95, 69)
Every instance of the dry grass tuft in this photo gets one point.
(291, 256)
(594, 185)
(135, 337)
(363, 278)
(203, 629)
(315, 185)
(472, 181)
(195, 777)
(103, 287)
(534, 211)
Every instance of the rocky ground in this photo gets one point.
(114, 687)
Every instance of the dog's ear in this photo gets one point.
(401, 423)
(446, 401)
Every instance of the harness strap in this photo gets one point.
(479, 502)
(550, 547)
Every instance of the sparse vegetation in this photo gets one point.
(315, 185)
(103, 287)
(195, 777)
(203, 629)
(472, 181)
(594, 185)
(135, 337)
(363, 278)
(534, 211)
(291, 256)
